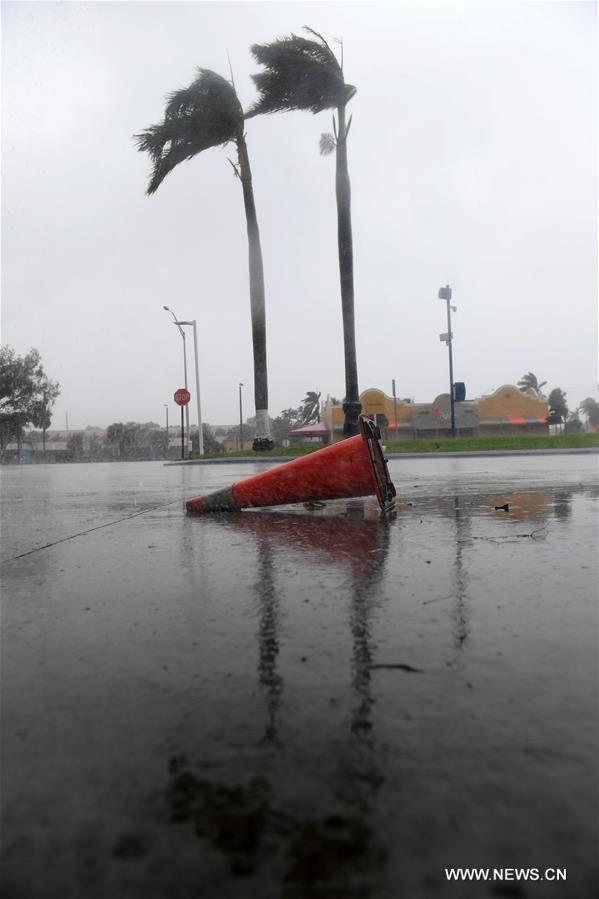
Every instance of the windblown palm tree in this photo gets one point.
(530, 380)
(558, 405)
(208, 114)
(305, 74)
(311, 407)
(590, 407)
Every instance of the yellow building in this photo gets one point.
(508, 410)
(517, 410)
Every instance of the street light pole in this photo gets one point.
(195, 348)
(445, 294)
(240, 418)
(200, 426)
(182, 333)
(167, 434)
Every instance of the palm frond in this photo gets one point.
(327, 144)
(300, 74)
(235, 168)
(231, 72)
(310, 410)
(205, 114)
(319, 36)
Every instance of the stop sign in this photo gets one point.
(182, 396)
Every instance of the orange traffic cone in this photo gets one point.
(354, 467)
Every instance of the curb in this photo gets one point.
(459, 454)
(243, 460)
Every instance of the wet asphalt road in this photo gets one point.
(299, 703)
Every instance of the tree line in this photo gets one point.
(121, 441)
(27, 396)
(559, 413)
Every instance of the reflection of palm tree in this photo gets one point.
(562, 505)
(339, 844)
(364, 600)
(364, 775)
(306, 75)
(208, 114)
(461, 613)
(358, 546)
(530, 380)
(268, 638)
(311, 407)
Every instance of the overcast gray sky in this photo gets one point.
(473, 160)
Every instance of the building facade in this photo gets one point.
(508, 410)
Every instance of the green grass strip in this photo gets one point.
(441, 445)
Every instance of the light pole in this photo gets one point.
(394, 407)
(445, 294)
(195, 349)
(167, 434)
(182, 333)
(240, 418)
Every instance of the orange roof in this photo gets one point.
(315, 430)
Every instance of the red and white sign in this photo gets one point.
(182, 396)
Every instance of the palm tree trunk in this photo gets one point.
(351, 405)
(262, 440)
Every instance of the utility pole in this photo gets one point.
(182, 333)
(445, 294)
(193, 324)
(240, 418)
(167, 433)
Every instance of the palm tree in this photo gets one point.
(558, 406)
(590, 407)
(530, 380)
(305, 74)
(311, 407)
(208, 114)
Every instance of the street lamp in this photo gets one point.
(240, 418)
(445, 294)
(167, 434)
(182, 333)
(195, 349)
